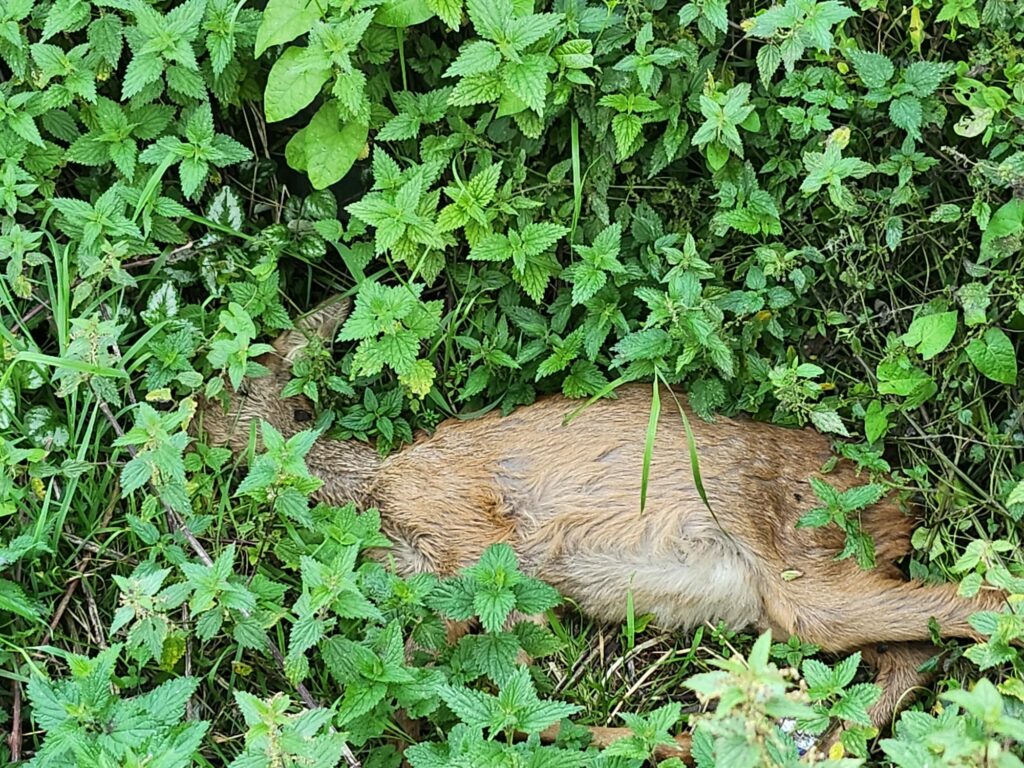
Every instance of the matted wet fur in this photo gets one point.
(567, 499)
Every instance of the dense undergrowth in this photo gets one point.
(809, 212)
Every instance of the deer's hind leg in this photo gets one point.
(897, 669)
(845, 608)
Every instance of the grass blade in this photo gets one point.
(652, 430)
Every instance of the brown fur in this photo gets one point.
(567, 498)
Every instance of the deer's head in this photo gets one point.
(260, 397)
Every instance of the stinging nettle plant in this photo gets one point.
(808, 211)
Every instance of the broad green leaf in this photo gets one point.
(45, 428)
(403, 13)
(331, 147)
(901, 377)
(294, 81)
(907, 113)
(14, 600)
(450, 11)
(994, 356)
(284, 20)
(1003, 234)
(768, 60)
(295, 150)
(975, 299)
(924, 77)
(876, 421)
(931, 334)
(528, 81)
(475, 58)
(1016, 496)
(8, 406)
(717, 154)
(418, 377)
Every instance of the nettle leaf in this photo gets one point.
(873, 69)
(650, 344)
(768, 60)
(575, 54)
(193, 175)
(925, 77)
(584, 379)
(476, 89)
(586, 281)
(907, 113)
(449, 11)
(490, 18)
(14, 600)
(106, 38)
(524, 31)
(475, 58)
(493, 606)
(626, 128)
(65, 16)
(418, 377)
(861, 496)
(532, 714)
(829, 421)
(528, 80)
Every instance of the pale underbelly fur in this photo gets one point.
(681, 591)
(683, 583)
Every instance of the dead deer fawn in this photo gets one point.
(567, 499)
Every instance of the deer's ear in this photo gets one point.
(322, 321)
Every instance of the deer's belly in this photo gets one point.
(681, 590)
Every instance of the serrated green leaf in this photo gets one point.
(873, 69)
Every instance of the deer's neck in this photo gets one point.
(347, 469)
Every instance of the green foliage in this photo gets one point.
(841, 508)
(279, 477)
(390, 324)
(276, 736)
(753, 694)
(978, 736)
(492, 589)
(88, 722)
(832, 696)
(807, 213)
(515, 707)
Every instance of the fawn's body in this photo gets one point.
(567, 498)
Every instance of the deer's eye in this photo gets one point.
(243, 390)
(302, 415)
